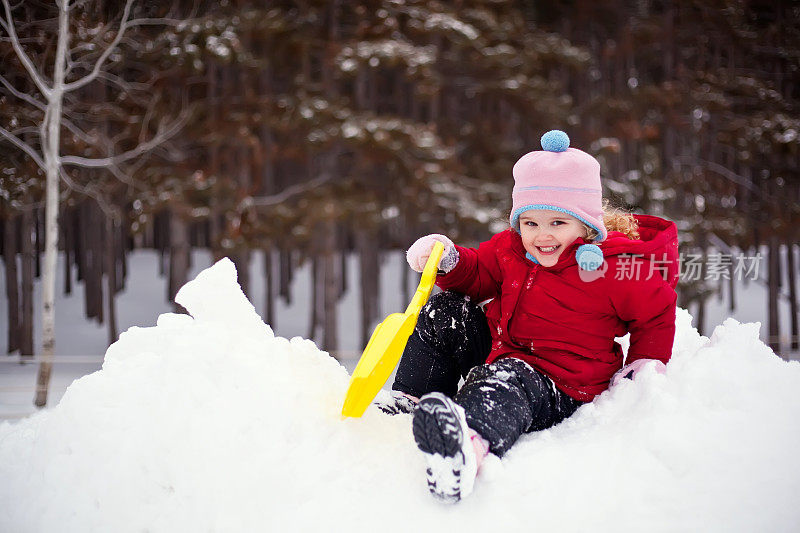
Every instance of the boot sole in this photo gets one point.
(441, 432)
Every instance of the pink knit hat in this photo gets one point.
(559, 178)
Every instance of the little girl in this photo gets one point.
(563, 281)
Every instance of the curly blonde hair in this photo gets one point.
(616, 219)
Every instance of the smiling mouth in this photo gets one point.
(547, 250)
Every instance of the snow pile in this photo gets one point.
(212, 423)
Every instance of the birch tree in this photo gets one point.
(74, 66)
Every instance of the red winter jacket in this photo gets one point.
(563, 320)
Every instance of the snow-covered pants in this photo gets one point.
(502, 400)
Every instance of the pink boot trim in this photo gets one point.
(480, 446)
(412, 398)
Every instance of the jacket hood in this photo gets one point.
(656, 237)
(658, 241)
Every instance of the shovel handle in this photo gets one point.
(427, 281)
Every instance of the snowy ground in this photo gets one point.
(81, 344)
(211, 423)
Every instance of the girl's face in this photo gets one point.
(545, 234)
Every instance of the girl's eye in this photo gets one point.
(530, 224)
(558, 222)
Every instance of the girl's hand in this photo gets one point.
(630, 371)
(419, 252)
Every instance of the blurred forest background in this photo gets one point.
(312, 130)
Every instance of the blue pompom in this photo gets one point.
(555, 141)
(589, 257)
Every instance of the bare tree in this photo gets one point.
(47, 153)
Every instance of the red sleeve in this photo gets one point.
(647, 305)
(477, 273)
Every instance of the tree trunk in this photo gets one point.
(370, 287)
(161, 239)
(701, 314)
(178, 257)
(66, 228)
(773, 260)
(285, 275)
(701, 301)
(404, 279)
(342, 273)
(269, 293)
(93, 253)
(26, 320)
(241, 259)
(111, 278)
(314, 319)
(790, 268)
(80, 241)
(122, 256)
(12, 281)
(37, 244)
(51, 142)
(214, 159)
(330, 339)
(731, 289)
(331, 286)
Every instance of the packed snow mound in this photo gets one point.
(209, 422)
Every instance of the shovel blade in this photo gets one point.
(377, 362)
(387, 343)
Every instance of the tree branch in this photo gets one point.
(5, 27)
(22, 96)
(146, 119)
(38, 79)
(125, 86)
(97, 196)
(75, 130)
(123, 26)
(266, 201)
(722, 171)
(28, 129)
(122, 176)
(161, 136)
(156, 22)
(22, 145)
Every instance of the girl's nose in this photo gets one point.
(544, 238)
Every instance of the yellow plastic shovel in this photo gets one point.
(387, 343)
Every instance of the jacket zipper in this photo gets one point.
(529, 279)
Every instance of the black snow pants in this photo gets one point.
(502, 400)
